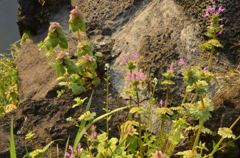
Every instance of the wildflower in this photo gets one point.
(171, 68)
(107, 66)
(54, 26)
(93, 135)
(134, 56)
(220, 32)
(158, 154)
(70, 155)
(131, 77)
(181, 62)
(124, 59)
(205, 69)
(161, 103)
(140, 75)
(75, 14)
(212, 11)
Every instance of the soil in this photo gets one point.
(161, 32)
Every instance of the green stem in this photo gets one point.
(107, 105)
(139, 126)
(198, 135)
(210, 59)
(194, 97)
(130, 100)
(184, 98)
(204, 54)
(161, 135)
(167, 96)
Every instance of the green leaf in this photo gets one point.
(54, 42)
(231, 143)
(226, 133)
(201, 87)
(138, 110)
(62, 83)
(63, 43)
(200, 112)
(96, 81)
(82, 26)
(70, 65)
(60, 69)
(167, 83)
(77, 89)
(12, 143)
(98, 54)
(60, 93)
(87, 116)
(215, 43)
(79, 102)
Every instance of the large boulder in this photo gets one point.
(160, 31)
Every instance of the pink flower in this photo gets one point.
(140, 75)
(124, 59)
(161, 103)
(134, 56)
(205, 69)
(133, 77)
(212, 10)
(181, 62)
(171, 68)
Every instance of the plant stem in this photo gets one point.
(139, 126)
(161, 135)
(204, 54)
(130, 100)
(198, 135)
(210, 59)
(107, 103)
(184, 99)
(194, 97)
(200, 128)
(167, 91)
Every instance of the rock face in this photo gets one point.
(160, 31)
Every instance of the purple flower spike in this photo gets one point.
(140, 75)
(171, 68)
(124, 59)
(134, 56)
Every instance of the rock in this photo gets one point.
(161, 32)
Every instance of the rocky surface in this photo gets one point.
(160, 31)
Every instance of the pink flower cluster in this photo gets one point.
(93, 134)
(134, 76)
(134, 57)
(213, 10)
(77, 151)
